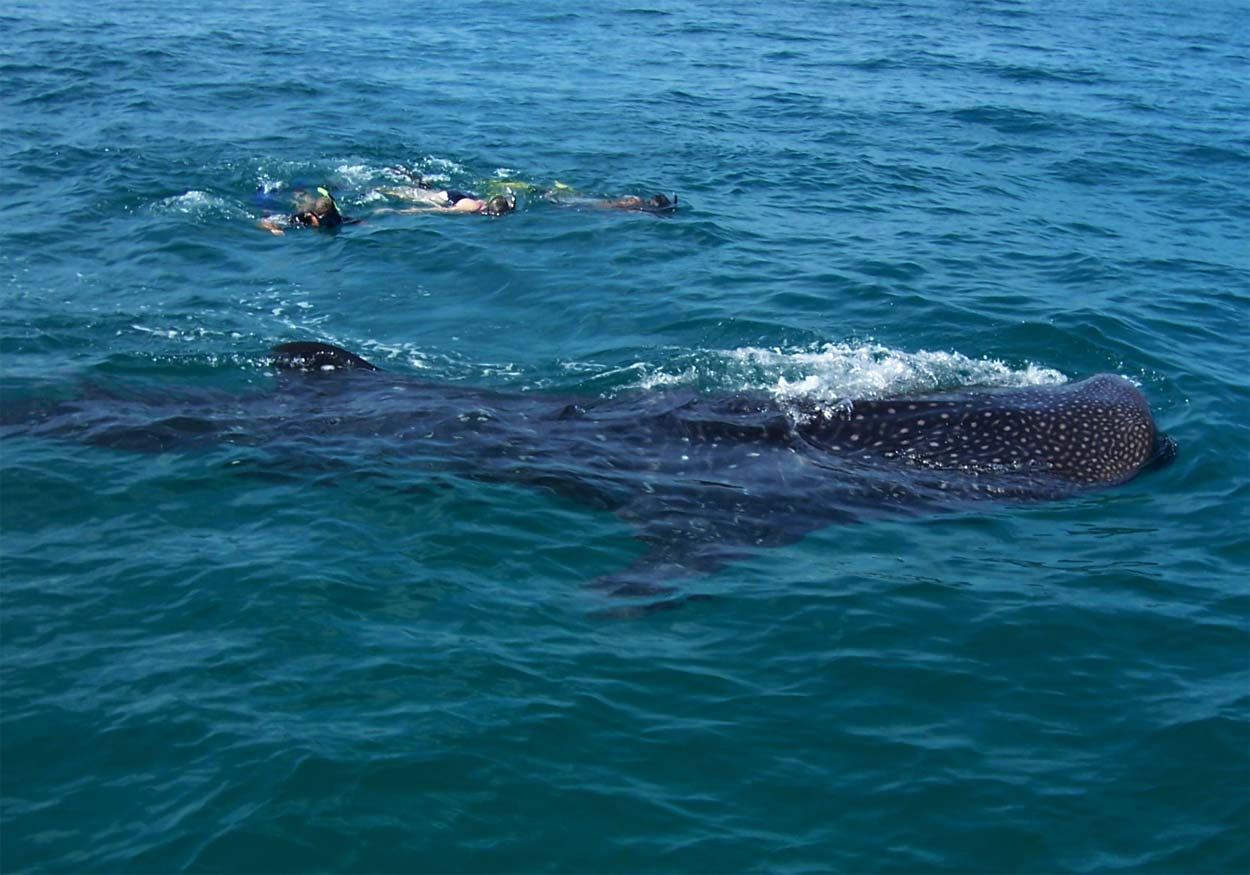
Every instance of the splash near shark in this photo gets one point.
(702, 479)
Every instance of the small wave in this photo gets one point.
(829, 371)
(441, 366)
(639, 375)
(199, 205)
(840, 370)
(356, 175)
(1009, 120)
(445, 164)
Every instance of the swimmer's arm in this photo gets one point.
(271, 226)
(416, 195)
(408, 212)
(467, 205)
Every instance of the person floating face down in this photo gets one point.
(320, 212)
(460, 202)
(659, 204)
(451, 200)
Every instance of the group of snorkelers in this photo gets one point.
(320, 210)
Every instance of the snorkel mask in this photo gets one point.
(500, 204)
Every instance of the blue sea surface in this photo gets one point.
(380, 668)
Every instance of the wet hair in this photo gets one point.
(327, 211)
(324, 210)
(500, 204)
(659, 201)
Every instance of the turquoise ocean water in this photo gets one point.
(372, 668)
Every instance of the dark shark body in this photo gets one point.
(703, 479)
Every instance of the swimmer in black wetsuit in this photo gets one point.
(322, 212)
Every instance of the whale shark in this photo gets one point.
(702, 479)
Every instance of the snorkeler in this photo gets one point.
(563, 195)
(453, 201)
(322, 212)
(657, 203)
(450, 200)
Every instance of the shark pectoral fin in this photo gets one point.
(647, 577)
(638, 611)
(311, 356)
(649, 585)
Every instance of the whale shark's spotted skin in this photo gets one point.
(700, 478)
(1097, 431)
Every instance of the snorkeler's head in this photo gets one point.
(500, 204)
(320, 213)
(659, 202)
(324, 207)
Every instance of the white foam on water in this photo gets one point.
(356, 175)
(835, 371)
(662, 380)
(198, 204)
(829, 372)
(188, 334)
(444, 164)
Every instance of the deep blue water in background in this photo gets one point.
(206, 672)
